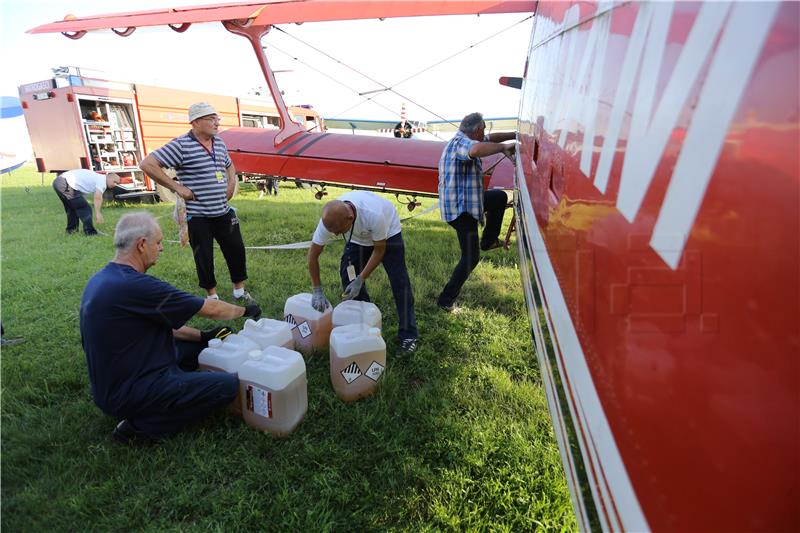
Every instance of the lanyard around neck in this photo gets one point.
(211, 153)
(353, 227)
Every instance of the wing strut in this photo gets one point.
(252, 33)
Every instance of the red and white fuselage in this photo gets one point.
(658, 188)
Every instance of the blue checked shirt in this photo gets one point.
(460, 180)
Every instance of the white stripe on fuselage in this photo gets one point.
(589, 414)
(737, 52)
(743, 27)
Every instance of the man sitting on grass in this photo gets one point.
(140, 355)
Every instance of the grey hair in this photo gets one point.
(471, 123)
(131, 226)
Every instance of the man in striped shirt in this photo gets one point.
(206, 180)
(462, 200)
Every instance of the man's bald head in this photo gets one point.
(337, 216)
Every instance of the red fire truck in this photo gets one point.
(77, 121)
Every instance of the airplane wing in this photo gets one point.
(359, 124)
(492, 124)
(380, 164)
(377, 163)
(433, 126)
(282, 12)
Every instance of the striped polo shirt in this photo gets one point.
(197, 169)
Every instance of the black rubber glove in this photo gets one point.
(253, 311)
(217, 333)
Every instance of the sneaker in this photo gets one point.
(11, 342)
(245, 299)
(452, 308)
(407, 346)
(125, 433)
(492, 246)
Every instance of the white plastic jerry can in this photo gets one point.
(269, 332)
(310, 328)
(239, 345)
(227, 356)
(222, 357)
(273, 390)
(354, 312)
(357, 360)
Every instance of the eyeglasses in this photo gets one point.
(212, 118)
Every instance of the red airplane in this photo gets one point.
(657, 196)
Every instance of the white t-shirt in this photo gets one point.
(85, 181)
(376, 220)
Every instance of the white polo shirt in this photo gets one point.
(376, 220)
(85, 181)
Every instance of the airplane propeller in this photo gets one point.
(402, 130)
(321, 191)
(410, 201)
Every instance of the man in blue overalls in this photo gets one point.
(140, 354)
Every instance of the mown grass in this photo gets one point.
(457, 438)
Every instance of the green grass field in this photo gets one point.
(458, 436)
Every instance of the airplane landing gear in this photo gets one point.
(512, 227)
(410, 201)
(320, 192)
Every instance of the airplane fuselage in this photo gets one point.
(658, 186)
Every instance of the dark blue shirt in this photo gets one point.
(127, 320)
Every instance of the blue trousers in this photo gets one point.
(75, 205)
(494, 205)
(180, 396)
(394, 262)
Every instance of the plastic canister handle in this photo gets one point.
(214, 343)
(276, 362)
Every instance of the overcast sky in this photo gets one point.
(209, 59)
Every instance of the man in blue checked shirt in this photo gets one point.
(463, 202)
